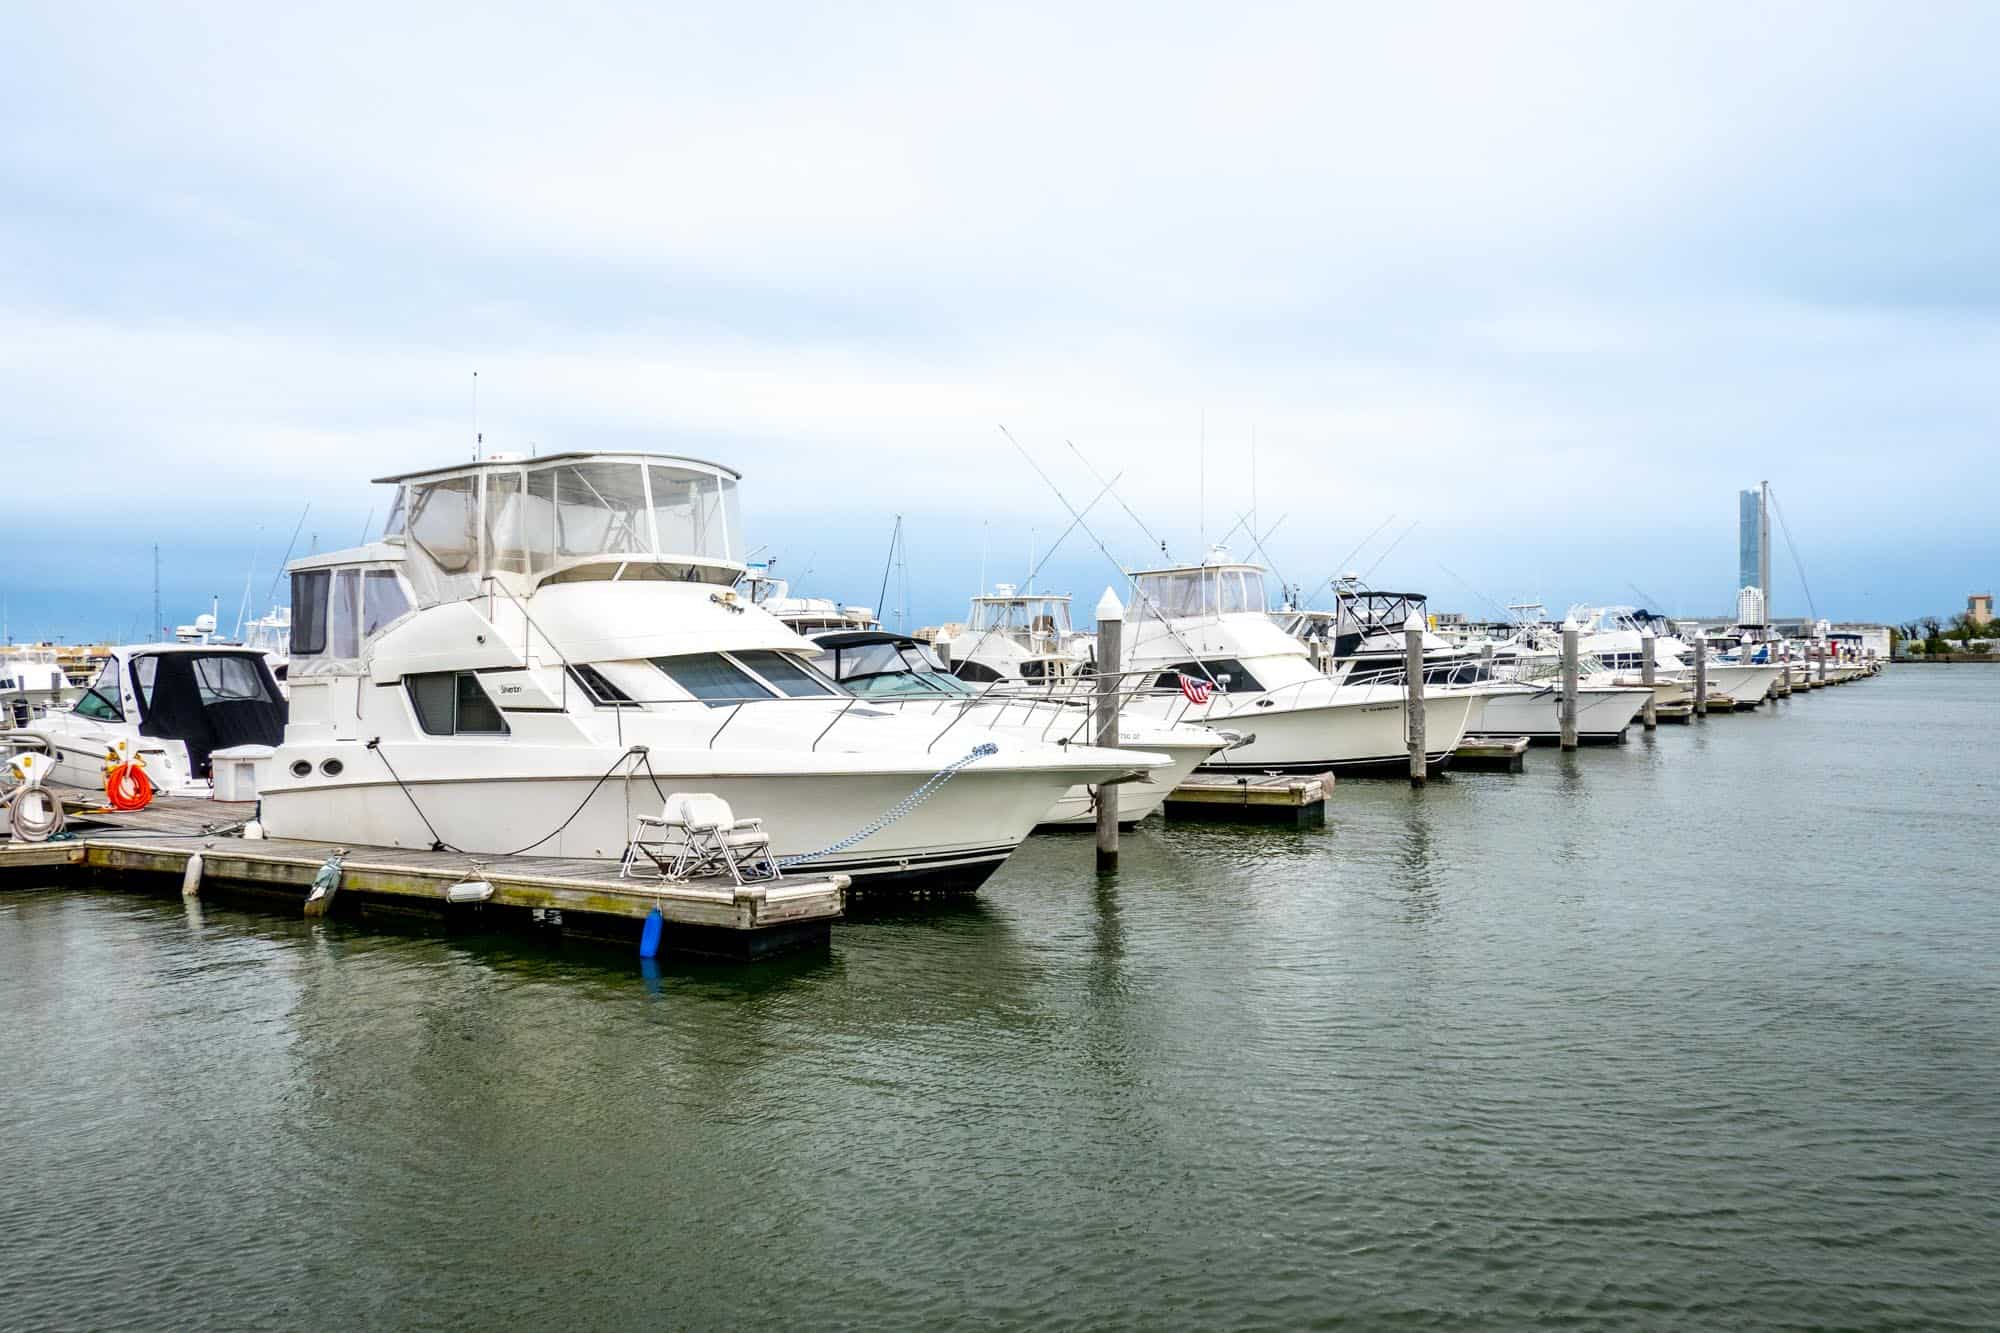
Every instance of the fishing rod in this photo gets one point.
(1392, 546)
(1327, 582)
(1164, 555)
(271, 596)
(1140, 593)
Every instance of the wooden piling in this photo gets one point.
(1648, 670)
(1571, 683)
(1413, 697)
(1110, 653)
(1700, 676)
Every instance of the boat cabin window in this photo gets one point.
(335, 611)
(1215, 668)
(598, 687)
(977, 672)
(441, 522)
(382, 600)
(309, 588)
(343, 621)
(784, 674)
(453, 703)
(103, 699)
(712, 678)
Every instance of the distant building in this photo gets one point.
(1750, 607)
(1979, 608)
(1753, 551)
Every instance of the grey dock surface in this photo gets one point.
(1497, 754)
(1275, 799)
(150, 849)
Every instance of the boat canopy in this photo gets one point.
(1193, 591)
(1029, 613)
(572, 516)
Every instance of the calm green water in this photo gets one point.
(1701, 1032)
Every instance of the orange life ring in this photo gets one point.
(127, 787)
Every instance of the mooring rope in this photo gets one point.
(438, 844)
(901, 808)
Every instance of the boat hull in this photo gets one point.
(1361, 738)
(1602, 715)
(951, 841)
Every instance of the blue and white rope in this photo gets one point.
(898, 810)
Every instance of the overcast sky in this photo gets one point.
(1551, 282)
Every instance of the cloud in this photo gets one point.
(1554, 280)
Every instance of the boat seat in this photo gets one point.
(697, 834)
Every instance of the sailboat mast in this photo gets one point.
(1764, 547)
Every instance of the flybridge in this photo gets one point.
(574, 516)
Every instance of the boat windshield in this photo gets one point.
(878, 670)
(1181, 593)
(531, 518)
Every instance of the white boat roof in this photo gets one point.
(372, 553)
(537, 460)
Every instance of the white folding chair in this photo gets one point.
(696, 833)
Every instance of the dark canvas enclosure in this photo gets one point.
(209, 701)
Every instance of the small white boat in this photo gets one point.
(173, 705)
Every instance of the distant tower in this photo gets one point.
(1753, 546)
(1750, 607)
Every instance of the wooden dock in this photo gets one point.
(1497, 754)
(1299, 801)
(151, 849)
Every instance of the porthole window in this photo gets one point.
(331, 767)
(300, 768)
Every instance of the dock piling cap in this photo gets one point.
(1647, 633)
(1109, 607)
(1569, 625)
(1415, 622)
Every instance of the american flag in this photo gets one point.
(1195, 688)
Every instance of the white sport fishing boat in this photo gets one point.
(172, 706)
(1215, 656)
(1614, 636)
(1016, 636)
(541, 649)
(1362, 641)
(898, 672)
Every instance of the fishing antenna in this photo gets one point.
(895, 535)
(1505, 614)
(1392, 546)
(989, 630)
(1645, 596)
(1327, 582)
(1121, 502)
(243, 608)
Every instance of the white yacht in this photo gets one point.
(898, 672)
(539, 649)
(1362, 641)
(1011, 635)
(32, 681)
(803, 615)
(174, 705)
(1204, 635)
(1612, 635)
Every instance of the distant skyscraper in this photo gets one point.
(1750, 540)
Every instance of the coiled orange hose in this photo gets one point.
(127, 787)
